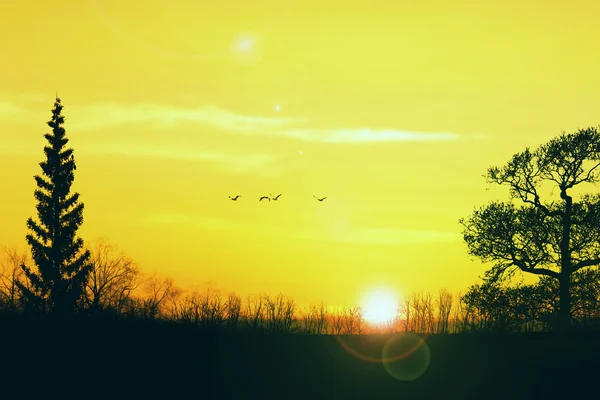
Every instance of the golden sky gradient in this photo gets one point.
(398, 108)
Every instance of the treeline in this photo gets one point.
(530, 308)
(557, 240)
(118, 290)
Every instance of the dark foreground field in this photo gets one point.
(149, 361)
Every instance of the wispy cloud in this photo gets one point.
(203, 222)
(98, 116)
(407, 236)
(382, 236)
(349, 236)
(112, 114)
(9, 110)
(364, 135)
(160, 116)
(265, 164)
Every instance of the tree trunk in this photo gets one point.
(564, 305)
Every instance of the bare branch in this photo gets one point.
(585, 263)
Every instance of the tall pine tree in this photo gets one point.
(62, 268)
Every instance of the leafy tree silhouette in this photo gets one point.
(552, 238)
(62, 268)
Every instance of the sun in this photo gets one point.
(380, 306)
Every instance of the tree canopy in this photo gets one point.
(543, 229)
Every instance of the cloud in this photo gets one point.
(110, 114)
(382, 236)
(406, 236)
(201, 222)
(100, 116)
(9, 110)
(26, 106)
(364, 135)
(349, 236)
(265, 164)
(160, 116)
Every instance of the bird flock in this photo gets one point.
(271, 197)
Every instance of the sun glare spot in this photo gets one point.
(245, 44)
(380, 307)
(246, 48)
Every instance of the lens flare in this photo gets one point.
(247, 52)
(406, 356)
(247, 48)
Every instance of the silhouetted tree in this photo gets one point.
(421, 309)
(525, 307)
(533, 307)
(337, 321)
(461, 315)
(315, 319)
(62, 269)
(555, 237)
(113, 278)
(212, 307)
(428, 313)
(353, 320)
(444, 304)
(11, 273)
(159, 292)
(255, 312)
(488, 306)
(397, 322)
(280, 311)
(586, 298)
(233, 307)
(407, 310)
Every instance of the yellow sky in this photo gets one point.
(397, 107)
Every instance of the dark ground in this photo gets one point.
(139, 361)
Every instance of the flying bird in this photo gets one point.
(264, 197)
(235, 198)
(276, 197)
(320, 199)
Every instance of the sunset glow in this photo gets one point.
(380, 307)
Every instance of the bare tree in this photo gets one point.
(255, 312)
(396, 325)
(182, 310)
(233, 309)
(407, 309)
(419, 314)
(159, 292)
(353, 320)
(444, 304)
(423, 313)
(337, 321)
(112, 280)
(308, 320)
(205, 308)
(461, 314)
(212, 307)
(428, 313)
(279, 313)
(315, 319)
(11, 273)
